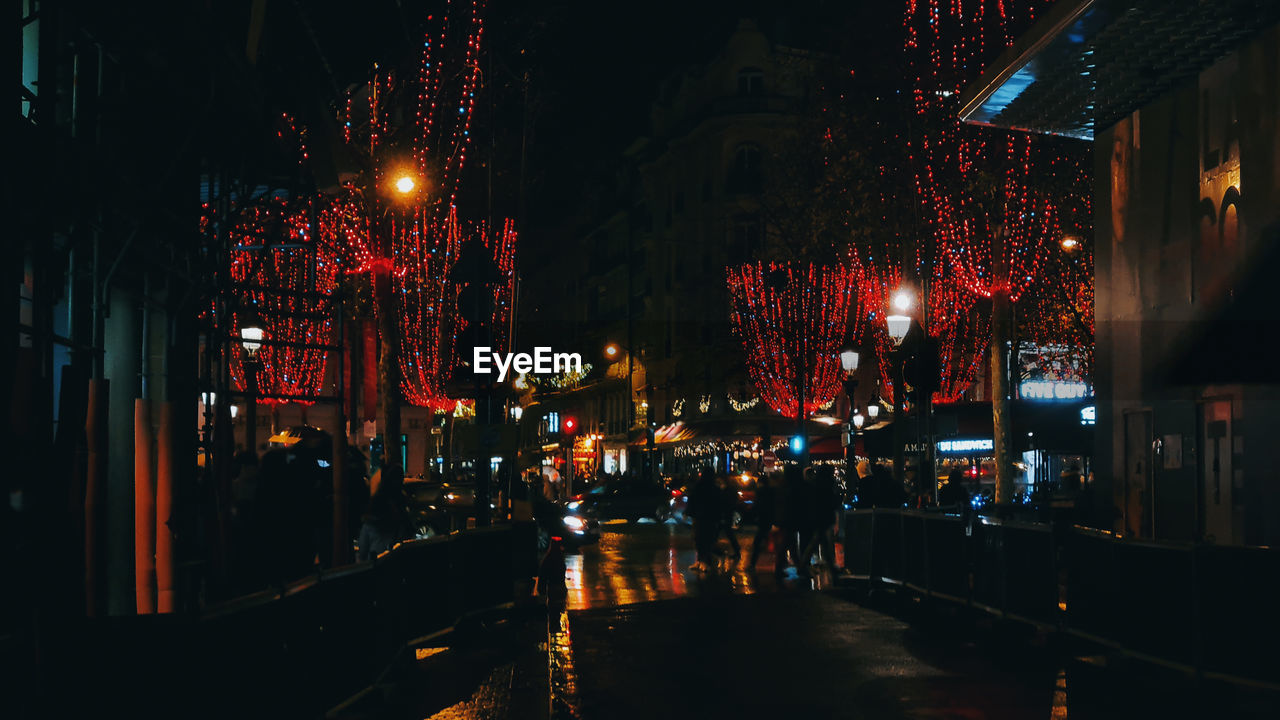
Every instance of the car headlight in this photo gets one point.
(574, 505)
(573, 522)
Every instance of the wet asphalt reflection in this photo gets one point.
(647, 562)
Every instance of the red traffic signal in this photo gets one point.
(570, 426)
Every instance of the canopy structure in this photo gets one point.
(1088, 63)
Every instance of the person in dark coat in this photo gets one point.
(766, 513)
(728, 505)
(551, 575)
(386, 522)
(889, 492)
(284, 517)
(789, 516)
(824, 509)
(953, 493)
(704, 508)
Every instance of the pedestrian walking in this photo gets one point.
(386, 522)
(728, 507)
(551, 572)
(704, 508)
(789, 506)
(824, 508)
(766, 511)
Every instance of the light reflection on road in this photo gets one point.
(635, 563)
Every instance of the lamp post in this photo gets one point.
(612, 352)
(251, 339)
(401, 190)
(899, 323)
(849, 363)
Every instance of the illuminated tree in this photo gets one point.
(288, 280)
(411, 132)
(793, 321)
(992, 218)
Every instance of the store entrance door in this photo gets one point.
(1214, 469)
(1137, 474)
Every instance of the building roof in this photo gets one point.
(1088, 63)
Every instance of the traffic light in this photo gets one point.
(570, 425)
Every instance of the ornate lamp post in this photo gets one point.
(899, 326)
(251, 334)
(849, 363)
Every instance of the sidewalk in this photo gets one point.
(493, 671)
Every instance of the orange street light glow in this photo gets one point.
(405, 184)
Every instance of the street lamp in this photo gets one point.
(873, 411)
(405, 184)
(613, 352)
(858, 421)
(849, 363)
(899, 325)
(251, 334)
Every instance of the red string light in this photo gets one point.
(288, 279)
(784, 314)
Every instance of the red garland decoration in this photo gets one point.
(289, 279)
(425, 236)
(947, 44)
(804, 313)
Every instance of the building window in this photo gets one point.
(750, 81)
(746, 238)
(744, 174)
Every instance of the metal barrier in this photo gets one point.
(293, 653)
(1201, 608)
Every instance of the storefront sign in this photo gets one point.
(1053, 390)
(965, 446)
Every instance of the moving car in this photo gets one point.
(623, 499)
(439, 508)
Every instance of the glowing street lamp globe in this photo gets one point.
(849, 361)
(251, 337)
(902, 301)
(898, 327)
(405, 184)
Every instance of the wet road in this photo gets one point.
(644, 562)
(646, 637)
(739, 643)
